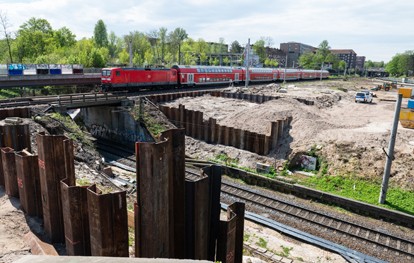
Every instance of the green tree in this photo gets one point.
(176, 39)
(235, 47)
(260, 50)
(33, 39)
(63, 37)
(162, 33)
(5, 28)
(100, 34)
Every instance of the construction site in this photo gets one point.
(148, 178)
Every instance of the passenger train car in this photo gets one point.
(181, 76)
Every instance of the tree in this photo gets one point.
(260, 50)
(34, 39)
(176, 39)
(64, 37)
(153, 39)
(235, 47)
(163, 41)
(100, 34)
(401, 64)
(5, 25)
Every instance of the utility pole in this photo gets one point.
(247, 50)
(321, 71)
(130, 52)
(390, 154)
(284, 74)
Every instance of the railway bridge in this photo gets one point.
(49, 80)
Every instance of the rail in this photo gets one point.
(65, 100)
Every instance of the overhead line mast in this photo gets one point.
(247, 52)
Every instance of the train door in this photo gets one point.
(237, 77)
(274, 76)
(190, 78)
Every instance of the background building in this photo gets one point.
(347, 55)
(360, 62)
(294, 50)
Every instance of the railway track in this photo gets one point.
(323, 221)
(116, 154)
(79, 98)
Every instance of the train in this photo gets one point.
(118, 78)
(40, 69)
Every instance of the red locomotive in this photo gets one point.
(117, 78)
(179, 76)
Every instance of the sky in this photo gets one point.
(376, 29)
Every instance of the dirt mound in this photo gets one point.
(351, 136)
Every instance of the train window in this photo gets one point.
(118, 73)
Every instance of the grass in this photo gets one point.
(75, 132)
(9, 93)
(223, 158)
(363, 190)
(286, 251)
(262, 243)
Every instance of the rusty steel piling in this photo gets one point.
(152, 213)
(108, 223)
(28, 179)
(197, 210)
(16, 136)
(9, 172)
(160, 227)
(230, 240)
(76, 219)
(1, 170)
(53, 154)
(176, 151)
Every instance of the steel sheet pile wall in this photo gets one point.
(211, 132)
(108, 223)
(53, 169)
(9, 172)
(16, 136)
(15, 112)
(159, 214)
(230, 242)
(255, 98)
(197, 215)
(28, 179)
(173, 96)
(175, 217)
(1, 170)
(76, 219)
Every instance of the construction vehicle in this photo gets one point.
(386, 86)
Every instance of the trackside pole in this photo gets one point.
(247, 52)
(390, 154)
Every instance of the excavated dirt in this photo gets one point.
(349, 136)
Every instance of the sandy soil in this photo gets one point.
(13, 226)
(350, 136)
